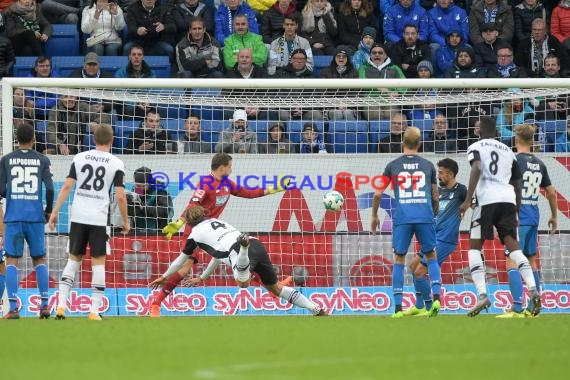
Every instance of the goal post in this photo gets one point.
(333, 257)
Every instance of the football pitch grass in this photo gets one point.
(343, 347)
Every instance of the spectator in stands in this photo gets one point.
(192, 140)
(410, 51)
(560, 23)
(441, 139)
(65, 129)
(272, 23)
(43, 101)
(104, 19)
(506, 68)
(150, 137)
(563, 140)
(406, 12)
(474, 128)
(446, 54)
(5, 4)
(7, 56)
(280, 52)
(513, 112)
(486, 11)
(340, 67)
(465, 66)
(486, 51)
(524, 14)
(152, 27)
(362, 54)
(39, 143)
(186, 10)
(552, 107)
(198, 54)
(353, 17)
(319, 26)
(27, 28)
(463, 116)
(277, 141)
(62, 11)
(444, 18)
(425, 69)
(393, 142)
(91, 68)
(237, 138)
(229, 10)
(532, 50)
(23, 108)
(379, 65)
(311, 140)
(243, 38)
(259, 6)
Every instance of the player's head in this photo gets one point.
(195, 215)
(141, 178)
(103, 135)
(412, 138)
(25, 134)
(447, 170)
(487, 127)
(524, 135)
(222, 163)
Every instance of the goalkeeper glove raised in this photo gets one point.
(282, 185)
(172, 228)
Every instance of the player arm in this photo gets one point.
(2, 180)
(551, 196)
(50, 193)
(63, 193)
(212, 265)
(186, 254)
(435, 199)
(516, 183)
(474, 175)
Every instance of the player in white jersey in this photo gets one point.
(495, 180)
(243, 254)
(96, 172)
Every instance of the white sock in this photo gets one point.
(241, 267)
(298, 299)
(477, 268)
(97, 287)
(67, 279)
(524, 268)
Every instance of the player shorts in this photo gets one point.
(502, 216)
(528, 237)
(96, 236)
(259, 262)
(402, 237)
(31, 233)
(443, 250)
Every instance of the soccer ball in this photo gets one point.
(333, 201)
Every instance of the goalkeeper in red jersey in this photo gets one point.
(213, 193)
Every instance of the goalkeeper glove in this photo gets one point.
(281, 185)
(172, 228)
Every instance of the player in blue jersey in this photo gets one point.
(22, 174)
(413, 180)
(2, 261)
(534, 177)
(451, 196)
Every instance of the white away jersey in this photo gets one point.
(214, 236)
(498, 166)
(95, 173)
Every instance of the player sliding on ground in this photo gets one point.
(451, 196)
(213, 194)
(243, 254)
(495, 180)
(416, 204)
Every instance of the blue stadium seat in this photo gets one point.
(211, 130)
(174, 109)
(123, 130)
(321, 61)
(66, 64)
(553, 128)
(295, 128)
(379, 129)
(23, 66)
(88, 140)
(64, 40)
(425, 126)
(347, 136)
(175, 127)
(207, 112)
(160, 64)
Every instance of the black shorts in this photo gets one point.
(260, 263)
(502, 216)
(82, 234)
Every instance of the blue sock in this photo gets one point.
(425, 291)
(12, 286)
(2, 285)
(419, 297)
(42, 277)
(516, 287)
(536, 274)
(435, 277)
(398, 283)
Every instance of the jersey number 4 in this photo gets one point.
(24, 179)
(96, 182)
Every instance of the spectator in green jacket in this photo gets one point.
(243, 38)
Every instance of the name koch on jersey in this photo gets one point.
(96, 172)
(214, 236)
(534, 176)
(498, 167)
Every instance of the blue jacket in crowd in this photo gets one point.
(397, 17)
(442, 21)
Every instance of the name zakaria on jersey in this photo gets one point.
(96, 172)
(498, 167)
(214, 236)
(534, 176)
(22, 173)
(412, 178)
(448, 219)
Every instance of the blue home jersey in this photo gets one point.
(448, 220)
(22, 174)
(411, 179)
(533, 177)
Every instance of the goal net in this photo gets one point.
(325, 135)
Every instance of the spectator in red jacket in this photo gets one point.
(560, 22)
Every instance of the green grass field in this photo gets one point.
(359, 347)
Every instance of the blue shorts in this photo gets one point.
(443, 250)
(402, 237)
(32, 233)
(528, 237)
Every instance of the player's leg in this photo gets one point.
(241, 266)
(425, 233)
(99, 246)
(480, 230)
(2, 277)
(168, 287)
(401, 238)
(515, 279)
(35, 236)
(14, 246)
(421, 287)
(530, 247)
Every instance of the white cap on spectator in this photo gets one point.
(239, 115)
